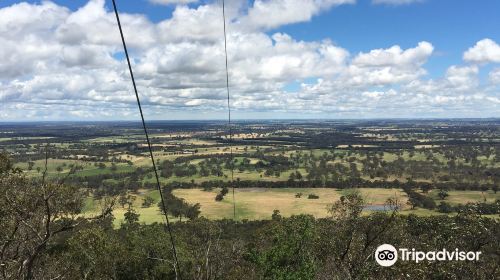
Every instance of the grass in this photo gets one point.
(378, 196)
(259, 203)
(120, 168)
(148, 215)
(52, 165)
(88, 167)
(463, 197)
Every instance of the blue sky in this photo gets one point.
(452, 26)
(381, 57)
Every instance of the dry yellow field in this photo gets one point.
(259, 203)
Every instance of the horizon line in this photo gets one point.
(253, 119)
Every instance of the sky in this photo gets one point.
(291, 59)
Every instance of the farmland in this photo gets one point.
(431, 167)
(259, 203)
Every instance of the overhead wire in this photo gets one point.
(229, 110)
(168, 226)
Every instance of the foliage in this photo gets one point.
(288, 254)
(34, 216)
(221, 194)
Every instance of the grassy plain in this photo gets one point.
(259, 203)
(88, 168)
(149, 215)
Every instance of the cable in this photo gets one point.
(229, 111)
(176, 264)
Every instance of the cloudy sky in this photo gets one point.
(63, 60)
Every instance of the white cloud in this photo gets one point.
(458, 80)
(388, 66)
(203, 23)
(271, 14)
(395, 56)
(27, 19)
(494, 76)
(462, 77)
(484, 51)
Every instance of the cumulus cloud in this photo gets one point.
(62, 62)
(395, 56)
(388, 66)
(197, 24)
(484, 51)
(270, 14)
(494, 76)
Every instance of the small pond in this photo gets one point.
(379, 208)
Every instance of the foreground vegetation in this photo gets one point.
(43, 236)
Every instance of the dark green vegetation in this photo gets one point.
(43, 237)
(91, 210)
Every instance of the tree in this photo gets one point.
(131, 217)
(413, 202)
(221, 194)
(484, 188)
(126, 199)
(444, 207)
(147, 202)
(443, 194)
(426, 188)
(276, 216)
(289, 255)
(33, 215)
(312, 196)
(5, 163)
(348, 207)
(192, 211)
(298, 175)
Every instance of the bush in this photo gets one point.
(445, 207)
(148, 201)
(220, 196)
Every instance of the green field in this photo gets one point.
(88, 168)
(148, 215)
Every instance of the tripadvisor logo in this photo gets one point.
(387, 255)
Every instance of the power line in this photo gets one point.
(229, 110)
(176, 262)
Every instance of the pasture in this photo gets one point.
(259, 203)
